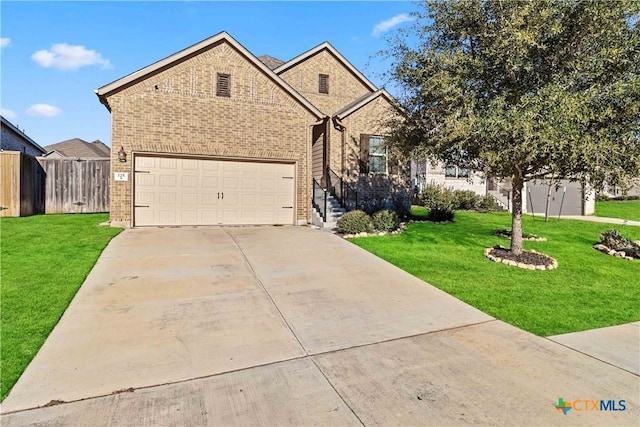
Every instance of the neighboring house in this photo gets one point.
(215, 135)
(539, 197)
(13, 139)
(77, 148)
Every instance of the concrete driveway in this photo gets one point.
(292, 326)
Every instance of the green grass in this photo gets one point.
(44, 260)
(419, 211)
(588, 289)
(627, 209)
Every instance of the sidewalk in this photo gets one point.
(616, 345)
(603, 220)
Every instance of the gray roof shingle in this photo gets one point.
(77, 147)
(270, 61)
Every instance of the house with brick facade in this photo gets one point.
(215, 135)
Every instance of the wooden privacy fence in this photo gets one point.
(30, 185)
(21, 184)
(76, 186)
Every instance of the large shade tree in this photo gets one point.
(522, 90)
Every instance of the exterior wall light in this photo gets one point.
(122, 156)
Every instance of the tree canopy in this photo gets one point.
(522, 89)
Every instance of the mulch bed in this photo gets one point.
(530, 260)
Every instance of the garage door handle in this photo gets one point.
(287, 177)
(142, 172)
(220, 194)
(287, 207)
(141, 206)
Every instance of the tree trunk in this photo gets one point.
(517, 183)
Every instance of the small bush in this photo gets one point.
(355, 222)
(441, 212)
(432, 194)
(385, 220)
(487, 202)
(465, 199)
(614, 240)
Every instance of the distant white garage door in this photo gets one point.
(183, 191)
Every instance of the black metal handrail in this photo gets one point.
(319, 199)
(341, 190)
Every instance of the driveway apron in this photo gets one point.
(292, 326)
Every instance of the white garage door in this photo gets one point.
(178, 191)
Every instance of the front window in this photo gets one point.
(451, 172)
(456, 172)
(377, 155)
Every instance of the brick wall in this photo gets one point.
(177, 111)
(375, 190)
(344, 87)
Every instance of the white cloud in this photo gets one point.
(64, 56)
(7, 114)
(4, 42)
(387, 25)
(43, 110)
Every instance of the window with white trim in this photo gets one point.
(455, 172)
(377, 155)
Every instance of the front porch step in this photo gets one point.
(502, 201)
(334, 212)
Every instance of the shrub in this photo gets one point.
(487, 202)
(432, 193)
(385, 220)
(614, 240)
(398, 202)
(355, 222)
(465, 199)
(441, 212)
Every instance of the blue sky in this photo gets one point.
(54, 54)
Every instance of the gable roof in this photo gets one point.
(23, 136)
(361, 102)
(327, 46)
(77, 147)
(191, 51)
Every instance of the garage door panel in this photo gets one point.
(190, 199)
(165, 180)
(146, 198)
(249, 184)
(230, 183)
(189, 217)
(167, 163)
(146, 180)
(191, 164)
(210, 182)
(210, 192)
(190, 181)
(209, 216)
(167, 198)
(145, 162)
(209, 199)
(167, 217)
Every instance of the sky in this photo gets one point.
(54, 54)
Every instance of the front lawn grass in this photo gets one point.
(624, 209)
(588, 289)
(43, 261)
